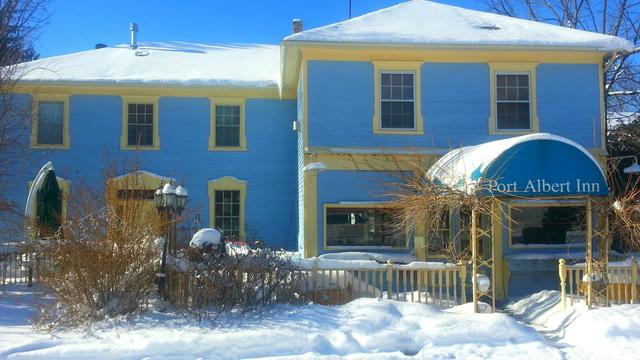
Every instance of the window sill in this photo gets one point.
(143, 148)
(346, 247)
(397, 132)
(227, 148)
(51, 147)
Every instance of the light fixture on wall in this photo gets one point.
(632, 169)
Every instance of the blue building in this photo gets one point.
(298, 141)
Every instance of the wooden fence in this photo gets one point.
(336, 282)
(621, 280)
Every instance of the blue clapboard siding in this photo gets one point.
(269, 164)
(569, 102)
(352, 186)
(455, 104)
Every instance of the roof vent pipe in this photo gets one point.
(297, 26)
(134, 35)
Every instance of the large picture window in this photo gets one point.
(362, 227)
(513, 101)
(547, 225)
(397, 100)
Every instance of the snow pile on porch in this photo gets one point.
(608, 332)
(364, 328)
(373, 256)
(422, 22)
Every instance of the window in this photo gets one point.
(50, 121)
(226, 206)
(362, 227)
(513, 103)
(397, 100)
(227, 125)
(547, 225)
(140, 123)
(513, 98)
(227, 213)
(397, 107)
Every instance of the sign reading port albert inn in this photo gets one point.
(544, 187)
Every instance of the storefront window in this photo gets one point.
(547, 225)
(360, 227)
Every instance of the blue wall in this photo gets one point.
(269, 164)
(455, 104)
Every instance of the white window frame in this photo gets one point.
(415, 115)
(529, 100)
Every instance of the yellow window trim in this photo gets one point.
(409, 66)
(227, 183)
(64, 185)
(379, 205)
(501, 68)
(126, 100)
(212, 123)
(541, 203)
(35, 114)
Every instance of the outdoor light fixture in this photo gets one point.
(170, 201)
(633, 169)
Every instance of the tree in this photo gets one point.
(20, 21)
(613, 17)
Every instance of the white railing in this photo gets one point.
(622, 282)
(340, 281)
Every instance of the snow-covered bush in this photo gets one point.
(223, 281)
(104, 257)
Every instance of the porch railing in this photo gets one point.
(621, 281)
(337, 282)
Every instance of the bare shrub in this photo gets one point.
(104, 257)
(218, 283)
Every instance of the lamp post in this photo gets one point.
(170, 201)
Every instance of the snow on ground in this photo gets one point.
(603, 333)
(362, 329)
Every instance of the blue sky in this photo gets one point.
(77, 25)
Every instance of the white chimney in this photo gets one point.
(134, 35)
(297, 26)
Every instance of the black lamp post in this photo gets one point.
(170, 201)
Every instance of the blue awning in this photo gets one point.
(530, 165)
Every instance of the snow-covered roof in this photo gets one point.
(163, 63)
(423, 22)
(465, 167)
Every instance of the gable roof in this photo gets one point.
(423, 22)
(162, 63)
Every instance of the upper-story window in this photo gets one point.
(227, 125)
(397, 100)
(513, 101)
(140, 123)
(397, 109)
(50, 123)
(227, 131)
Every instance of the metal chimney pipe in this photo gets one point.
(297, 26)
(133, 27)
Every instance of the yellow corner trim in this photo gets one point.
(228, 183)
(35, 115)
(124, 138)
(409, 66)
(212, 123)
(517, 67)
